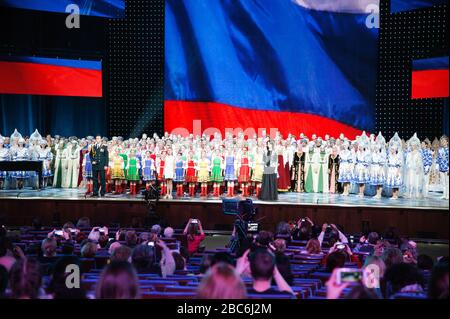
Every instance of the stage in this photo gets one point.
(423, 218)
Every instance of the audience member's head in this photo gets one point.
(262, 265)
(3, 280)
(113, 246)
(335, 260)
(118, 281)
(180, 262)
(305, 231)
(313, 246)
(48, 247)
(168, 232)
(88, 250)
(121, 253)
(279, 245)
(156, 229)
(221, 282)
(25, 279)
(206, 263)
(67, 248)
(403, 277)
(373, 238)
(59, 275)
(361, 292)
(84, 222)
(143, 258)
(130, 238)
(392, 256)
(377, 262)
(438, 284)
(103, 240)
(264, 238)
(283, 229)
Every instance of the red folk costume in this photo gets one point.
(244, 170)
(190, 172)
(283, 174)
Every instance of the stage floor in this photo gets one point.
(433, 201)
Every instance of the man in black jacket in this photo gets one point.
(99, 158)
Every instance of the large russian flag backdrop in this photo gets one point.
(299, 66)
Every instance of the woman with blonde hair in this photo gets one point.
(222, 282)
(312, 247)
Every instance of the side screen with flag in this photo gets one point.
(429, 78)
(297, 66)
(407, 5)
(49, 76)
(100, 8)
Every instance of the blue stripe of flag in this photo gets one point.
(438, 63)
(406, 5)
(81, 64)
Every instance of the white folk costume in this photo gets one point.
(442, 161)
(59, 179)
(413, 169)
(73, 165)
(394, 176)
(427, 158)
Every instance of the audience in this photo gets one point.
(269, 265)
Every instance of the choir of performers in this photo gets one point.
(202, 166)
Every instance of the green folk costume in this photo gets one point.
(125, 161)
(132, 171)
(216, 172)
(308, 172)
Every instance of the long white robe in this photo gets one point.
(73, 167)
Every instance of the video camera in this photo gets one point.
(244, 224)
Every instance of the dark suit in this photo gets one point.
(100, 158)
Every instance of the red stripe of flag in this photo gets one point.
(182, 114)
(429, 84)
(44, 79)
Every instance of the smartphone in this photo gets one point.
(58, 232)
(151, 244)
(303, 220)
(348, 275)
(340, 246)
(252, 227)
(194, 221)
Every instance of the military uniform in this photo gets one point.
(100, 159)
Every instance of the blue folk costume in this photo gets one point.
(179, 171)
(87, 171)
(148, 170)
(230, 169)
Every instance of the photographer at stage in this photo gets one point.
(269, 188)
(100, 159)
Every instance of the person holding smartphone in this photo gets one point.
(195, 235)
